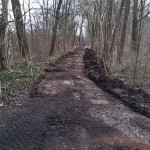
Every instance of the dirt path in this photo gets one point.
(72, 113)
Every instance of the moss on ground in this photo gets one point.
(18, 80)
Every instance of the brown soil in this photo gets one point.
(137, 100)
(67, 111)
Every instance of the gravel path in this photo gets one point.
(72, 113)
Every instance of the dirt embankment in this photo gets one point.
(137, 100)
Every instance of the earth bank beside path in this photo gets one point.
(137, 100)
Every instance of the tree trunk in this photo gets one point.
(3, 27)
(117, 25)
(54, 32)
(135, 26)
(123, 33)
(108, 29)
(81, 32)
(20, 28)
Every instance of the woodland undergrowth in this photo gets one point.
(18, 80)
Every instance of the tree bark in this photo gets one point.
(108, 29)
(135, 26)
(54, 32)
(123, 33)
(117, 25)
(3, 28)
(81, 31)
(20, 28)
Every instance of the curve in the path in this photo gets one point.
(72, 113)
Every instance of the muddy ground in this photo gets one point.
(137, 100)
(68, 111)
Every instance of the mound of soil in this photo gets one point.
(137, 100)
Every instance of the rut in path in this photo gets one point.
(72, 113)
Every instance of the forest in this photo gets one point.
(118, 30)
(32, 31)
(74, 74)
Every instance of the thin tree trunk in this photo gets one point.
(137, 43)
(108, 29)
(117, 25)
(81, 31)
(31, 25)
(54, 32)
(135, 26)
(123, 33)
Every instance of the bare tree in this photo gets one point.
(20, 28)
(3, 28)
(54, 33)
(135, 26)
(123, 32)
(117, 25)
(108, 28)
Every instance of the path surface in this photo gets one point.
(72, 113)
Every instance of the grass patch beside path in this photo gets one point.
(18, 80)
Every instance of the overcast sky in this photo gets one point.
(25, 7)
(33, 4)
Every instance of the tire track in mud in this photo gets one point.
(72, 113)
